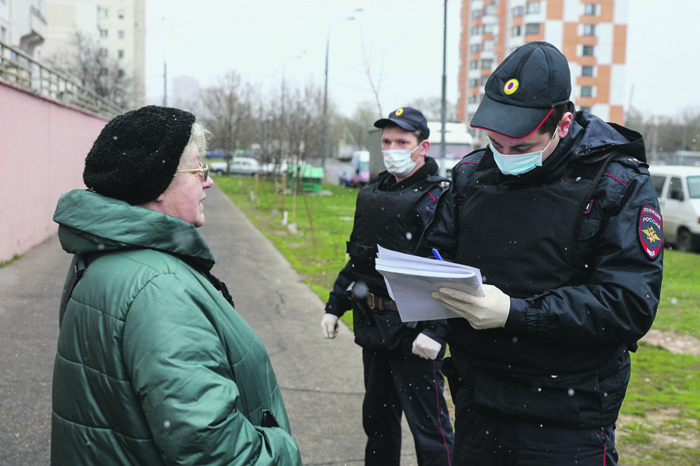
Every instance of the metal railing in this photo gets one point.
(21, 69)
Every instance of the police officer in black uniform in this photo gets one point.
(560, 214)
(402, 362)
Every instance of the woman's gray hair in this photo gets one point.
(198, 139)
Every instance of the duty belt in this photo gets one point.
(382, 304)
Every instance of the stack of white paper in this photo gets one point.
(411, 281)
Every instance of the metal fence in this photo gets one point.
(19, 68)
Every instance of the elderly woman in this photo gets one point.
(154, 365)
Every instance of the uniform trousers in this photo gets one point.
(483, 440)
(396, 382)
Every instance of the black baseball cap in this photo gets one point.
(523, 90)
(407, 118)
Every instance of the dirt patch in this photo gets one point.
(674, 342)
(664, 427)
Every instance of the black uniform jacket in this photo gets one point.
(583, 268)
(415, 196)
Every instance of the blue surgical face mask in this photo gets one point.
(517, 164)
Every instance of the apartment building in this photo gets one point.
(23, 25)
(592, 34)
(119, 26)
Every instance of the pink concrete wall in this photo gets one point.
(43, 145)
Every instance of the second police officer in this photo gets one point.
(402, 362)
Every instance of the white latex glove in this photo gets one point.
(329, 325)
(490, 311)
(426, 347)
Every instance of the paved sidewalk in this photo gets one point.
(321, 380)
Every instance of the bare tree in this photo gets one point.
(667, 134)
(304, 121)
(228, 112)
(431, 107)
(86, 61)
(360, 123)
(368, 71)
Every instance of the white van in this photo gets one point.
(678, 188)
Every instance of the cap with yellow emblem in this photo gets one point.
(407, 118)
(523, 90)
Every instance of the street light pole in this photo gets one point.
(324, 139)
(443, 146)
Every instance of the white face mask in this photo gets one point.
(517, 164)
(398, 162)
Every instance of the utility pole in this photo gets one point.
(165, 67)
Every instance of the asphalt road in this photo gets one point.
(321, 380)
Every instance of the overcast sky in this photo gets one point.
(399, 42)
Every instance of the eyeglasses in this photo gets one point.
(203, 172)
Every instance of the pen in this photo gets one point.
(437, 254)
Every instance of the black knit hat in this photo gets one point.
(137, 153)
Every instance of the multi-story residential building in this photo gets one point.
(119, 26)
(592, 34)
(65, 18)
(23, 25)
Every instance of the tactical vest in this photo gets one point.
(522, 238)
(387, 218)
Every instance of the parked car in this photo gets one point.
(360, 168)
(237, 166)
(270, 169)
(678, 188)
(216, 154)
(345, 177)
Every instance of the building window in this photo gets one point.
(587, 71)
(488, 46)
(103, 52)
(120, 13)
(476, 13)
(103, 33)
(476, 30)
(587, 51)
(473, 82)
(516, 31)
(532, 7)
(586, 109)
(532, 28)
(590, 9)
(486, 63)
(517, 11)
(485, 78)
(474, 65)
(586, 91)
(120, 34)
(489, 10)
(103, 13)
(3, 33)
(488, 28)
(474, 48)
(589, 29)
(473, 99)
(120, 53)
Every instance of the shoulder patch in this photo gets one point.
(651, 231)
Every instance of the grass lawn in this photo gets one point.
(659, 422)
